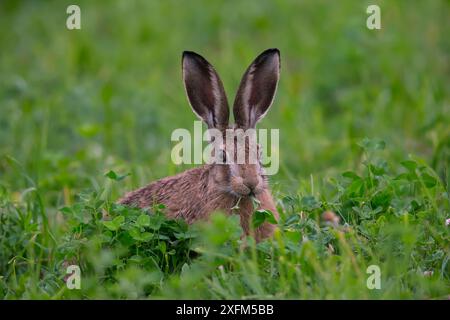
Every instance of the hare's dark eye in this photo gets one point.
(223, 156)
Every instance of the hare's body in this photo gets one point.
(193, 195)
(229, 183)
(188, 195)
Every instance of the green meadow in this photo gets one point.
(87, 115)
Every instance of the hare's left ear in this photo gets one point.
(205, 91)
(257, 89)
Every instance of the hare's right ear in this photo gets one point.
(257, 89)
(205, 91)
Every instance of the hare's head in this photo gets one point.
(237, 169)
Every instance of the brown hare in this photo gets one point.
(196, 193)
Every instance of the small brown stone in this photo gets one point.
(330, 216)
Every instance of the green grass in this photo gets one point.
(364, 132)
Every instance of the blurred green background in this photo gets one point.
(77, 103)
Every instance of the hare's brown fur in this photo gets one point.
(196, 193)
(193, 195)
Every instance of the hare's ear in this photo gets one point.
(205, 91)
(257, 89)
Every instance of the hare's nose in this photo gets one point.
(251, 184)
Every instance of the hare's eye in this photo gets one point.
(223, 156)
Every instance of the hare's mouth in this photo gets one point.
(249, 195)
(245, 193)
(237, 194)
